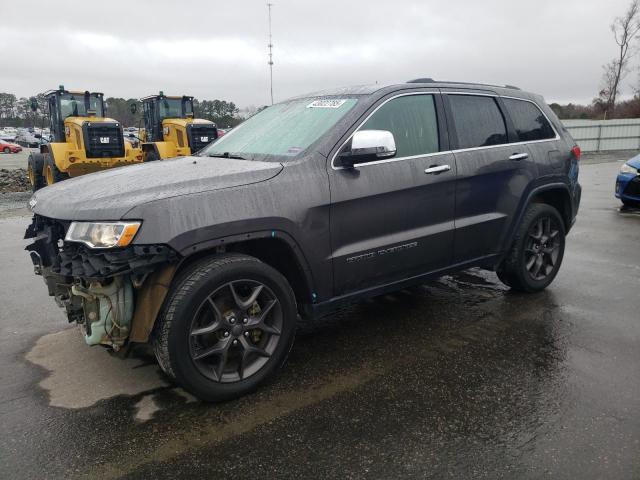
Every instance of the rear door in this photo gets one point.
(492, 173)
(394, 218)
(534, 128)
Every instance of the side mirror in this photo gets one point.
(133, 107)
(369, 146)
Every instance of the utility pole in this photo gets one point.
(269, 5)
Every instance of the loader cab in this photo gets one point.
(157, 108)
(63, 104)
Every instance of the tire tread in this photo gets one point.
(509, 271)
(184, 284)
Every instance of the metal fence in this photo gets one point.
(605, 135)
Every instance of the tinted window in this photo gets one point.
(528, 120)
(478, 121)
(412, 120)
(73, 105)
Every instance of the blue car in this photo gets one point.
(628, 183)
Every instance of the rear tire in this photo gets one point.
(630, 203)
(35, 164)
(213, 339)
(6, 150)
(537, 250)
(51, 172)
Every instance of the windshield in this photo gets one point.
(172, 107)
(72, 105)
(283, 129)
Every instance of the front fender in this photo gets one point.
(194, 242)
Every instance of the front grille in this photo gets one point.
(103, 140)
(633, 187)
(200, 136)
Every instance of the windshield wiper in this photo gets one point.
(225, 155)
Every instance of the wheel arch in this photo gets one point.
(559, 198)
(275, 248)
(555, 194)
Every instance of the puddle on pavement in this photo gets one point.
(80, 376)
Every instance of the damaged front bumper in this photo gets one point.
(115, 294)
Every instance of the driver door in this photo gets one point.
(392, 219)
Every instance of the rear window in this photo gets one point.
(529, 122)
(478, 121)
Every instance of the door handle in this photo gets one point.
(519, 156)
(435, 169)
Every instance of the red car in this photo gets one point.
(7, 147)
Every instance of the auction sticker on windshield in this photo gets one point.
(326, 103)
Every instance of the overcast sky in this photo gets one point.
(218, 49)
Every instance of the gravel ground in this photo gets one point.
(13, 161)
(14, 203)
(14, 180)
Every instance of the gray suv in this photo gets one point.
(314, 202)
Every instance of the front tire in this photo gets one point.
(6, 150)
(537, 251)
(227, 325)
(630, 203)
(35, 164)
(51, 172)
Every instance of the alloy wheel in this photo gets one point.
(542, 247)
(235, 331)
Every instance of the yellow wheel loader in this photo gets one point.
(83, 140)
(170, 129)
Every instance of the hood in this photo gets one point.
(110, 194)
(634, 162)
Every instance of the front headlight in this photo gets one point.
(626, 168)
(102, 234)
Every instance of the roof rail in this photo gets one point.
(421, 80)
(431, 80)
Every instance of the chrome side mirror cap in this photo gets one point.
(369, 146)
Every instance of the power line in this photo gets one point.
(269, 5)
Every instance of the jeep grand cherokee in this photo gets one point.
(316, 201)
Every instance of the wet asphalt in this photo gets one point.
(458, 378)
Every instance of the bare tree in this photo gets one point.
(625, 30)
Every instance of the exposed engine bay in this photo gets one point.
(96, 287)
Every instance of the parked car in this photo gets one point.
(8, 134)
(628, 183)
(30, 139)
(211, 258)
(8, 147)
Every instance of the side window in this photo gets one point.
(412, 120)
(529, 122)
(478, 120)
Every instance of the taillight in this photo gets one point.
(576, 152)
